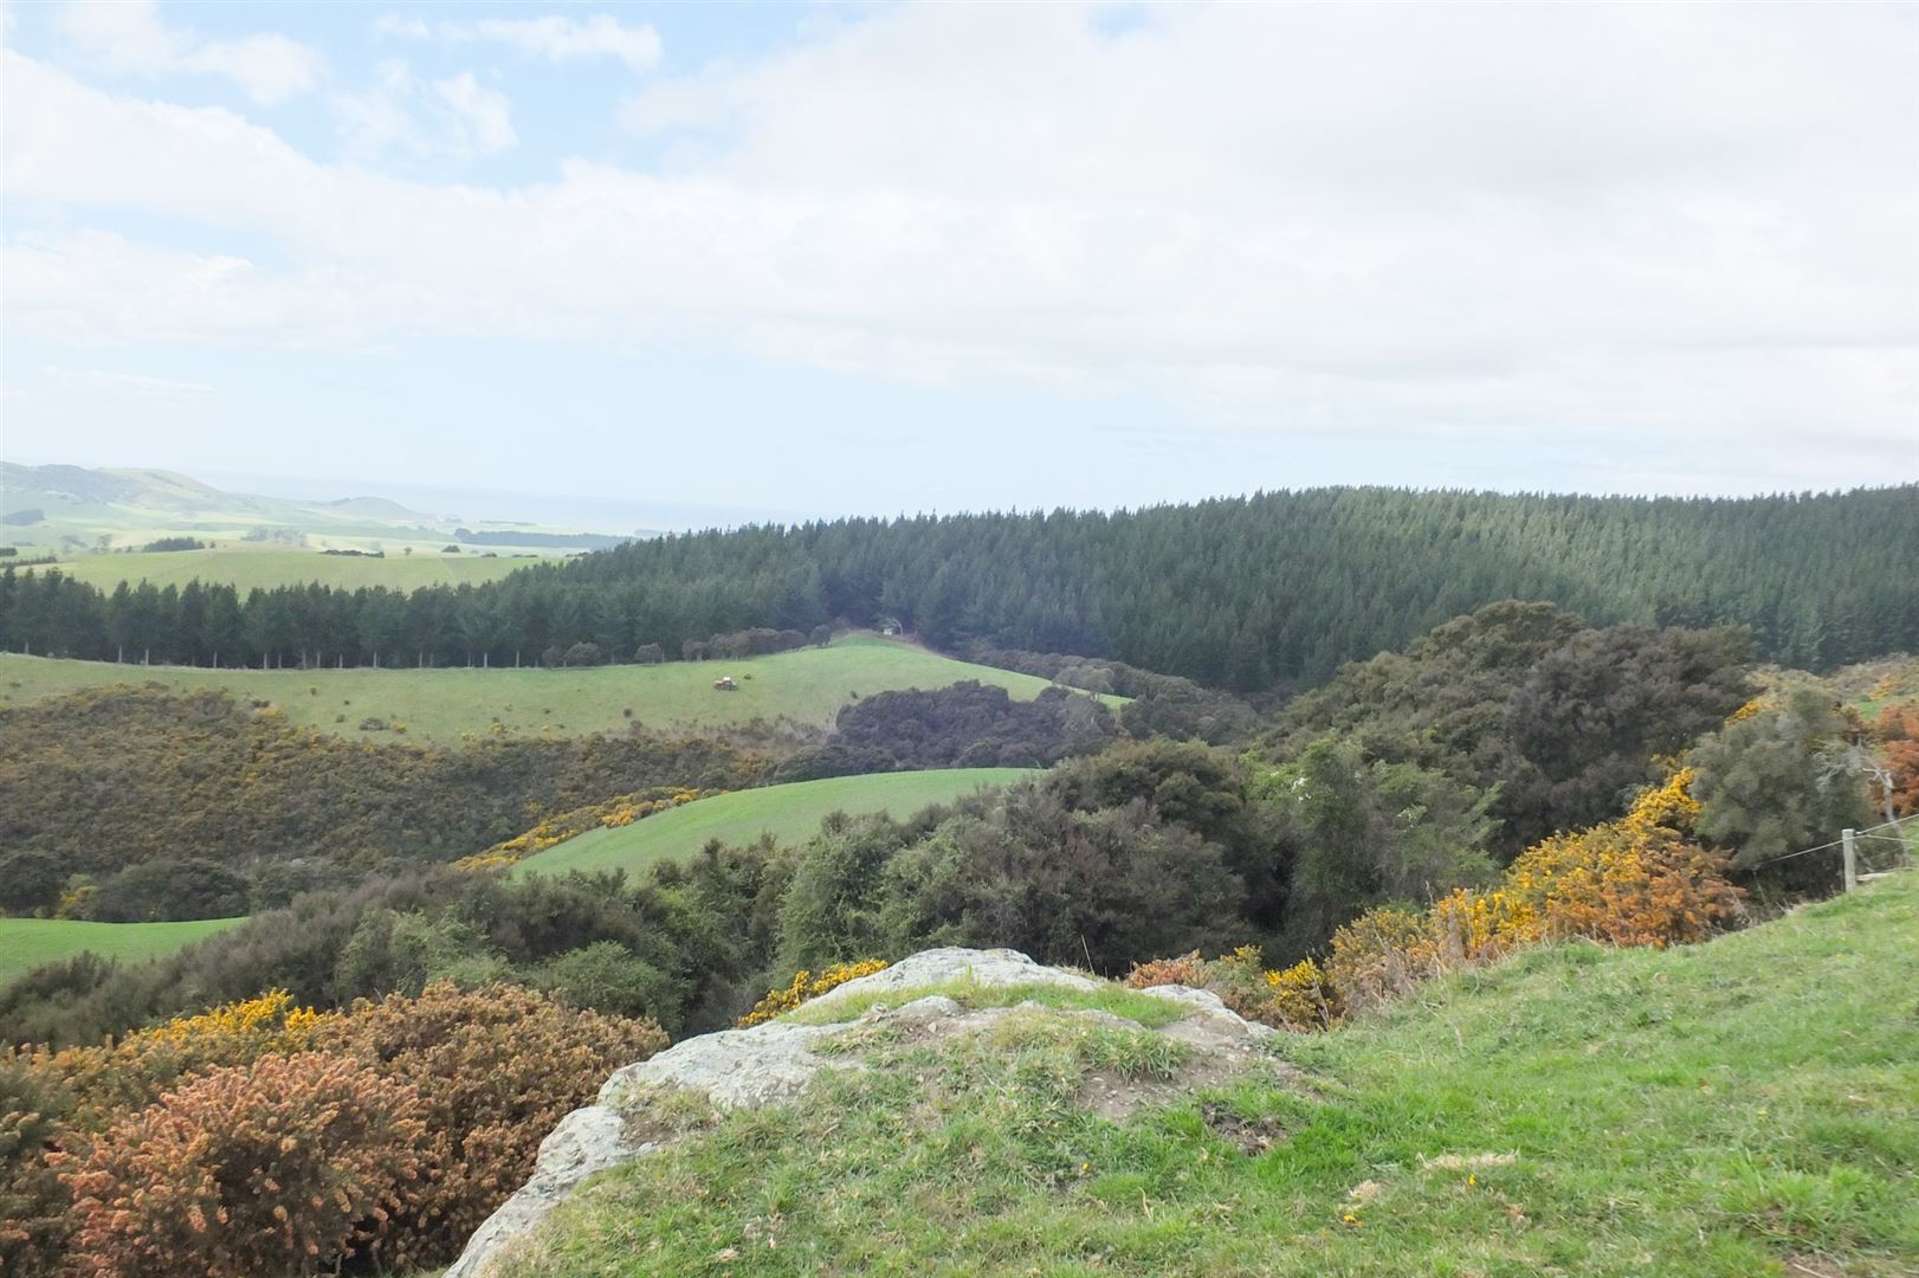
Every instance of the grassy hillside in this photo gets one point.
(246, 567)
(789, 812)
(27, 943)
(807, 686)
(1747, 1107)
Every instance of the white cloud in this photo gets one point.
(456, 118)
(484, 115)
(1673, 231)
(128, 37)
(554, 38)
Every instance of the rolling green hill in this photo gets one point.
(245, 567)
(807, 686)
(27, 943)
(1740, 1109)
(789, 812)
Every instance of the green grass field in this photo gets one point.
(807, 686)
(1740, 1109)
(248, 567)
(27, 943)
(788, 812)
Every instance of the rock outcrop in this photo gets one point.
(772, 1063)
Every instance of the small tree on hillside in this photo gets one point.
(1766, 785)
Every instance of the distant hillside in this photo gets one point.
(790, 813)
(378, 507)
(806, 687)
(1266, 593)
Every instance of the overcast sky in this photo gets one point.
(872, 258)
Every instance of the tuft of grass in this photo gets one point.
(1129, 1004)
(1746, 1107)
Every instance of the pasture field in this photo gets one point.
(807, 687)
(789, 813)
(27, 943)
(245, 568)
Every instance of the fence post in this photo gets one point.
(1852, 859)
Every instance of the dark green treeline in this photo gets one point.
(1247, 593)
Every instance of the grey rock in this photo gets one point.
(586, 1141)
(1218, 1017)
(994, 968)
(735, 1069)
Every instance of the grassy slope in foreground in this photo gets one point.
(27, 943)
(808, 686)
(249, 567)
(1746, 1107)
(789, 812)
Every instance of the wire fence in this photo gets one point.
(1871, 833)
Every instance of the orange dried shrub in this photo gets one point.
(1897, 730)
(1188, 969)
(1380, 955)
(1626, 883)
(109, 1080)
(495, 1069)
(291, 1165)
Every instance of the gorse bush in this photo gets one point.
(289, 1165)
(264, 1138)
(806, 986)
(35, 1220)
(493, 1071)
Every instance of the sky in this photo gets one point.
(809, 260)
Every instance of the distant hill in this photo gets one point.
(377, 508)
(805, 687)
(75, 511)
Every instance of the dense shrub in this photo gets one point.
(114, 777)
(607, 977)
(291, 1164)
(1103, 888)
(194, 888)
(1526, 701)
(494, 1070)
(969, 724)
(30, 881)
(1359, 833)
(35, 1207)
(1767, 786)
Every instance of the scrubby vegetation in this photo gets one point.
(150, 784)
